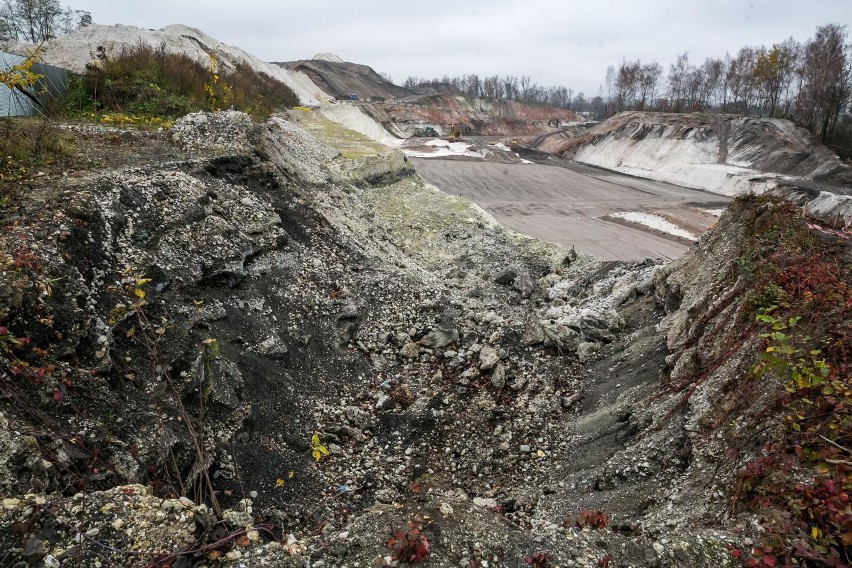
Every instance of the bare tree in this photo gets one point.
(511, 85)
(561, 97)
(679, 81)
(411, 82)
(474, 86)
(827, 74)
(713, 71)
(526, 87)
(649, 80)
(774, 71)
(37, 21)
(498, 86)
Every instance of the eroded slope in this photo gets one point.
(335, 349)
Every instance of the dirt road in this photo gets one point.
(567, 204)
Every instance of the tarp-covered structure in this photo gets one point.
(52, 83)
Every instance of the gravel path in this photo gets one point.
(566, 204)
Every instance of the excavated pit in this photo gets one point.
(476, 383)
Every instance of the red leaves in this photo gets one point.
(762, 557)
(410, 545)
(537, 560)
(589, 518)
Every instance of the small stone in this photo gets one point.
(11, 504)
(385, 402)
(498, 378)
(651, 557)
(488, 358)
(533, 335)
(234, 555)
(485, 503)
(253, 494)
(507, 275)
(439, 338)
(525, 449)
(410, 351)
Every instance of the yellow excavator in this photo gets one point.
(454, 133)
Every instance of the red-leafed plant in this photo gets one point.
(409, 545)
(537, 560)
(588, 518)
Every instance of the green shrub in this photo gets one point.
(144, 81)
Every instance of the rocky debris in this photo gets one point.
(223, 133)
(126, 526)
(439, 338)
(517, 278)
(363, 357)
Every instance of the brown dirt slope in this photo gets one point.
(341, 80)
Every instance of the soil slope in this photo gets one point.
(75, 50)
(331, 360)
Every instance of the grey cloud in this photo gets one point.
(556, 41)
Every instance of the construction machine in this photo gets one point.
(454, 133)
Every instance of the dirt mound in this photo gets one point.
(75, 50)
(341, 80)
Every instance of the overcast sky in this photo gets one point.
(557, 42)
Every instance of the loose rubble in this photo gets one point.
(372, 357)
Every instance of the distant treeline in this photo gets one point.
(510, 87)
(809, 82)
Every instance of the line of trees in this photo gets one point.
(37, 21)
(810, 83)
(510, 87)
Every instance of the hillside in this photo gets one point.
(209, 313)
(75, 50)
(340, 79)
(722, 153)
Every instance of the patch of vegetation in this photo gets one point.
(802, 308)
(144, 84)
(26, 145)
(409, 545)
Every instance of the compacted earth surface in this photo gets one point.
(572, 204)
(277, 345)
